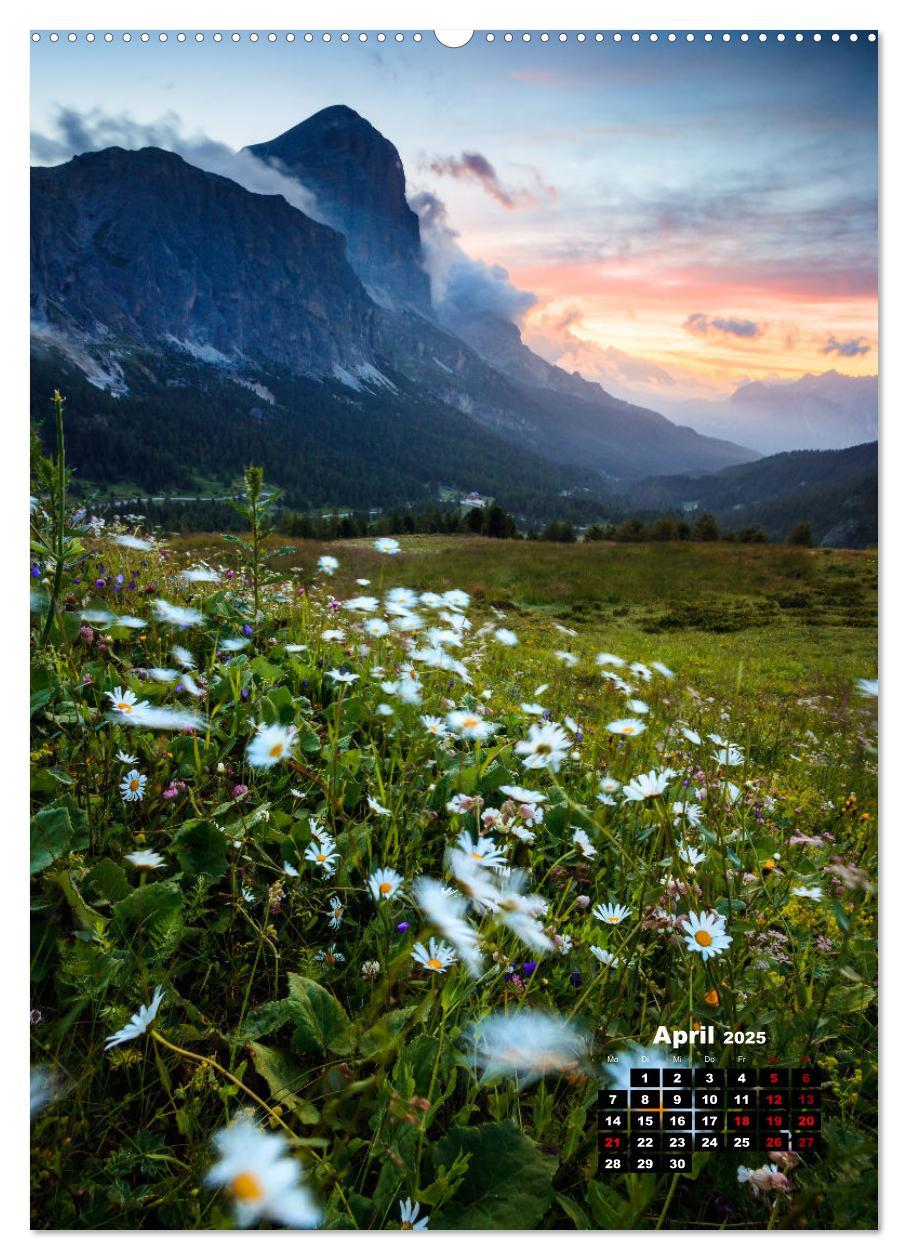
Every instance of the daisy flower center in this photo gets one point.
(134, 785)
(124, 707)
(320, 857)
(703, 937)
(276, 750)
(384, 888)
(247, 1187)
(434, 963)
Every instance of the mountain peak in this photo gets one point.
(358, 177)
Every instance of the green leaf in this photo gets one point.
(57, 830)
(107, 880)
(87, 918)
(145, 910)
(307, 738)
(508, 1184)
(283, 1075)
(200, 849)
(385, 1032)
(320, 1022)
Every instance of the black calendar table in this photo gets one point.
(668, 1114)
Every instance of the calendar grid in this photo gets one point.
(667, 1115)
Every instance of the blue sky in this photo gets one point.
(692, 214)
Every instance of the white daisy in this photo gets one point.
(628, 727)
(335, 912)
(145, 859)
(385, 883)
(545, 746)
(706, 934)
(409, 1216)
(526, 1044)
(437, 956)
(271, 745)
(386, 546)
(132, 788)
(377, 807)
(567, 658)
(690, 856)
(327, 564)
(802, 890)
(176, 615)
(609, 658)
(124, 701)
(138, 1024)
(604, 956)
(469, 725)
(691, 735)
(264, 1182)
(482, 851)
(583, 843)
(644, 786)
(868, 687)
(434, 725)
(341, 676)
(507, 638)
(323, 853)
(662, 669)
(446, 910)
(611, 912)
(128, 759)
(687, 811)
(524, 796)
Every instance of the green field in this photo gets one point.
(469, 1086)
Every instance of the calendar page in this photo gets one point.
(453, 604)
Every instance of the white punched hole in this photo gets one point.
(453, 39)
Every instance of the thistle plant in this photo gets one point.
(50, 538)
(254, 507)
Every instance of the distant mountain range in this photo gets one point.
(828, 410)
(160, 290)
(835, 490)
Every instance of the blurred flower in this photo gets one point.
(526, 1044)
(261, 1178)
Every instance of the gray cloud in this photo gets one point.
(463, 287)
(76, 132)
(475, 167)
(851, 349)
(704, 326)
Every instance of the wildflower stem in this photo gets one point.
(213, 1063)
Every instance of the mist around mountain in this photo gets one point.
(152, 276)
(830, 410)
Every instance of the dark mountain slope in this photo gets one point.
(358, 178)
(140, 245)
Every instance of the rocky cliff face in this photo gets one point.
(133, 250)
(140, 245)
(358, 178)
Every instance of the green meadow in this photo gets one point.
(355, 880)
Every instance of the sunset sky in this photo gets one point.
(674, 219)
